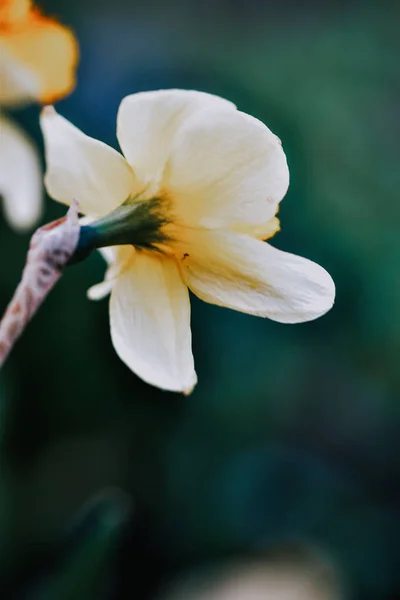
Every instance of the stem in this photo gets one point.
(65, 242)
(50, 250)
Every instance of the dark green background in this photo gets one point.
(291, 435)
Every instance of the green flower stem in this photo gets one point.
(139, 224)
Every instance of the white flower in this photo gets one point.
(211, 177)
(20, 176)
(37, 63)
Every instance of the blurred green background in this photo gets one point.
(291, 435)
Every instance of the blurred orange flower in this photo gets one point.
(38, 59)
(38, 56)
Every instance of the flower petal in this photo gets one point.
(150, 323)
(226, 169)
(147, 123)
(14, 11)
(118, 259)
(81, 167)
(100, 290)
(20, 177)
(17, 82)
(45, 49)
(248, 275)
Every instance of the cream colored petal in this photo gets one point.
(248, 275)
(150, 323)
(100, 290)
(262, 231)
(118, 258)
(226, 169)
(81, 167)
(20, 177)
(147, 123)
(110, 254)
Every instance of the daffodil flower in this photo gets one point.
(38, 56)
(37, 63)
(188, 206)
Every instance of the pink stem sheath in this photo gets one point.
(50, 249)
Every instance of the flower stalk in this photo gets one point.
(49, 252)
(65, 242)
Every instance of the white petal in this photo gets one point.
(226, 169)
(150, 323)
(81, 167)
(118, 258)
(148, 121)
(20, 177)
(110, 254)
(100, 290)
(248, 275)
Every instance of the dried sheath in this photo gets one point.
(50, 249)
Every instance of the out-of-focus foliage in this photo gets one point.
(291, 433)
(83, 571)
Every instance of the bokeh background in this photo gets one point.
(291, 436)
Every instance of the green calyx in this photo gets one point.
(136, 223)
